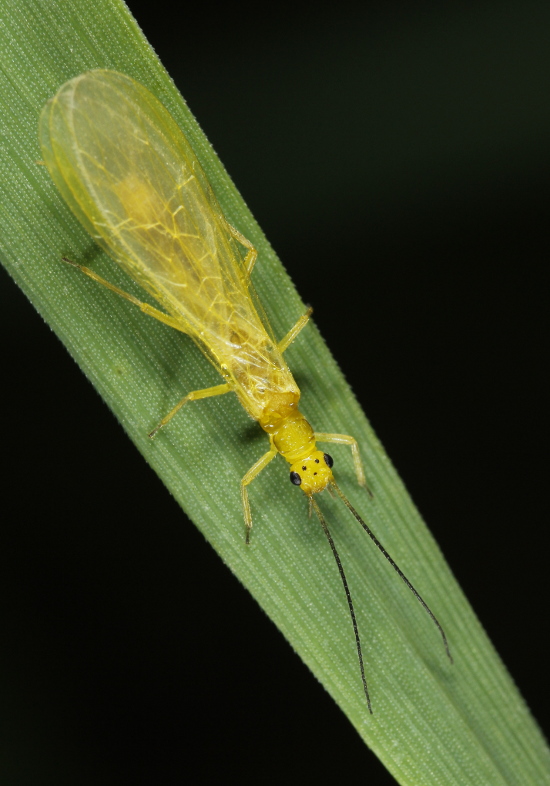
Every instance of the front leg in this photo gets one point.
(344, 439)
(254, 470)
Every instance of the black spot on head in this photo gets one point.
(329, 461)
(316, 461)
(304, 469)
(295, 478)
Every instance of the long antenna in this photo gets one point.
(394, 565)
(317, 510)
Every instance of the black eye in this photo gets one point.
(329, 461)
(295, 478)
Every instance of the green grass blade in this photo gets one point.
(433, 723)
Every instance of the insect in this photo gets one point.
(130, 176)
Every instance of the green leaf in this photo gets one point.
(433, 723)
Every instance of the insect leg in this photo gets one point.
(254, 470)
(344, 439)
(195, 395)
(293, 332)
(145, 307)
(252, 255)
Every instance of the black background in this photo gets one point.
(398, 159)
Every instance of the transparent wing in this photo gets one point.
(130, 176)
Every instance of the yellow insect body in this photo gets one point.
(131, 177)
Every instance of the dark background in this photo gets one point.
(398, 158)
